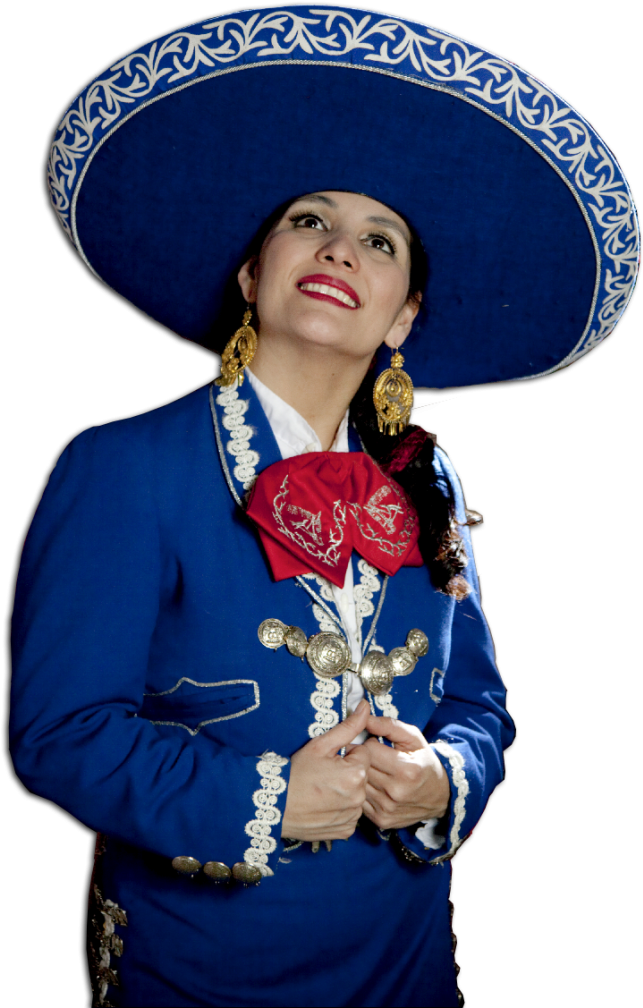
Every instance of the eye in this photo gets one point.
(308, 220)
(379, 241)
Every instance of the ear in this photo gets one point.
(403, 324)
(247, 277)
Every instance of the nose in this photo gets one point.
(340, 249)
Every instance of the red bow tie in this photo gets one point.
(314, 510)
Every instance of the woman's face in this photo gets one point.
(334, 272)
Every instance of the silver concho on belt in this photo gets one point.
(328, 654)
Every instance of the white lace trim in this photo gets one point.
(385, 703)
(322, 700)
(369, 583)
(326, 717)
(246, 459)
(267, 814)
(456, 762)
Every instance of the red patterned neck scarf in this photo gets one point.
(313, 510)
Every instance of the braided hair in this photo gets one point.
(407, 457)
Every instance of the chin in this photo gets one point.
(318, 329)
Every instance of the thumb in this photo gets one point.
(404, 737)
(344, 733)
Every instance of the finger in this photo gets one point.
(404, 736)
(382, 757)
(344, 733)
(380, 781)
(359, 754)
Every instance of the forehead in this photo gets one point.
(357, 205)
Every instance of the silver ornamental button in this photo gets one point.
(376, 672)
(402, 660)
(328, 655)
(186, 865)
(271, 633)
(417, 642)
(296, 641)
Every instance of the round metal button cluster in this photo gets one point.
(376, 672)
(246, 873)
(218, 871)
(328, 654)
(295, 641)
(417, 642)
(272, 633)
(186, 865)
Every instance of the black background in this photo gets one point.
(536, 888)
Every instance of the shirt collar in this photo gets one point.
(293, 434)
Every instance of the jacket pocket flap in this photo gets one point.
(191, 704)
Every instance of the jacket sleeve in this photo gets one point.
(470, 727)
(86, 606)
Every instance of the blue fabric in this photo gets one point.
(141, 588)
(512, 266)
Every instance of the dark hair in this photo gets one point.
(407, 457)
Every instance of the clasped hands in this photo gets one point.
(394, 786)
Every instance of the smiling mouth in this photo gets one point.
(326, 288)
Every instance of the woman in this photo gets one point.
(144, 595)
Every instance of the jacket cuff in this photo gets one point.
(269, 801)
(444, 835)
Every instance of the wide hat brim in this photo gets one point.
(166, 166)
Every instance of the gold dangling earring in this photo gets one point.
(393, 397)
(238, 353)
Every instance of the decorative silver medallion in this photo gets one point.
(296, 641)
(417, 642)
(328, 655)
(272, 633)
(376, 672)
(403, 660)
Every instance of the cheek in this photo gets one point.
(390, 291)
(279, 260)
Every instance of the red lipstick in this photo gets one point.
(328, 288)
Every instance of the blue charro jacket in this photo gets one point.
(145, 704)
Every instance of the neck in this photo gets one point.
(316, 381)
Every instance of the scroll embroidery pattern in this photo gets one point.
(458, 776)
(305, 528)
(246, 459)
(385, 516)
(363, 592)
(326, 690)
(326, 716)
(267, 814)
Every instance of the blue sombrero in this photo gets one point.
(165, 166)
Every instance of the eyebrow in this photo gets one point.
(387, 222)
(316, 198)
(384, 221)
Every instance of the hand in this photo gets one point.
(327, 791)
(407, 783)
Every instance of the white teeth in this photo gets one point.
(334, 292)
